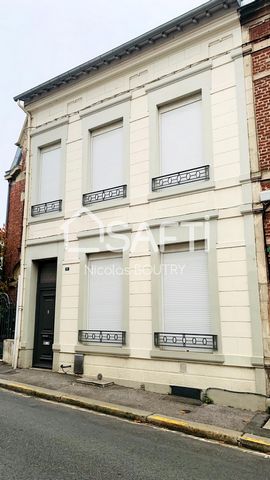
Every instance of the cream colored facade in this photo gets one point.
(204, 58)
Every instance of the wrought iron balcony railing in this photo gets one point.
(114, 337)
(180, 178)
(47, 207)
(106, 194)
(186, 340)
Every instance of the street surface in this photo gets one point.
(44, 441)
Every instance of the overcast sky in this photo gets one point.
(41, 39)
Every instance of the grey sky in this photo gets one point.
(41, 39)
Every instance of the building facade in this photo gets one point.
(140, 245)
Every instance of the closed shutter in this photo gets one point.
(186, 292)
(181, 138)
(107, 159)
(105, 294)
(50, 174)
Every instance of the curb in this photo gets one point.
(230, 437)
(261, 444)
(76, 400)
(196, 429)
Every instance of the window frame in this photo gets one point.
(42, 150)
(169, 107)
(166, 96)
(180, 248)
(87, 243)
(95, 133)
(101, 257)
(98, 119)
(181, 236)
(42, 140)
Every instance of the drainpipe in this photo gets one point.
(19, 309)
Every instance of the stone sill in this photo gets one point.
(102, 350)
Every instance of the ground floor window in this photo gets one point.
(105, 293)
(185, 292)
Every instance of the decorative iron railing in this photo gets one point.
(186, 340)
(7, 319)
(47, 207)
(180, 178)
(106, 194)
(115, 337)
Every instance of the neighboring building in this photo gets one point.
(255, 20)
(14, 220)
(151, 138)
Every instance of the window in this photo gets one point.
(49, 185)
(107, 165)
(185, 301)
(107, 157)
(181, 139)
(181, 145)
(105, 151)
(50, 174)
(105, 299)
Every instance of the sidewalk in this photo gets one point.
(226, 424)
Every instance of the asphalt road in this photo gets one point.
(44, 441)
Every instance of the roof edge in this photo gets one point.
(206, 10)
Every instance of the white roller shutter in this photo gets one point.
(105, 294)
(50, 175)
(107, 159)
(181, 138)
(186, 293)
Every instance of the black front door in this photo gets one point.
(45, 312)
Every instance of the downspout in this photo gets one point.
(19, 309)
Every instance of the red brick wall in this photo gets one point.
(261, 81)
(261, 64)
(259, 31)
(14, 227)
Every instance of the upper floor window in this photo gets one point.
(107, 170)
(181, 139)
(50, 173)
(107, 157)
(181, 144)
(49, 191)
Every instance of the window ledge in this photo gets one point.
(43, 240)
(103, 350)
(181, 190)
(200, 357)
(46, 217)
(108, 204)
